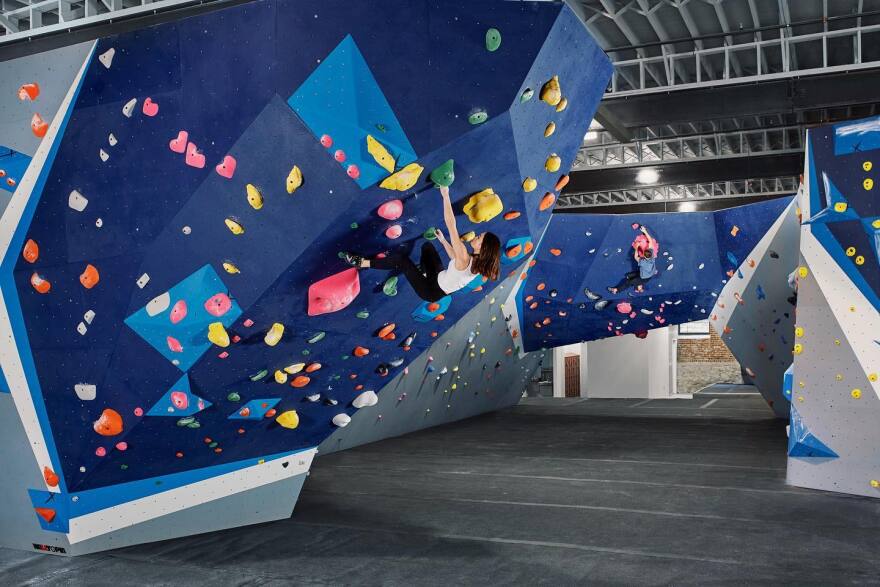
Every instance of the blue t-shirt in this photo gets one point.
(646, 267)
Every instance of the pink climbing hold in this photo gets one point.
(635, 225)
(334, 293)
(138, 412)
(178, 145)
(193, 157)
(150, 108)
(218, 304)
(391, 210)
(339, 155)
(632, 314)
(178, 312)
(180, 400)
(248, 323)
(121, 446)
(101, 451)
(353, 171)
(227, 167)
(174, 345)
(394, 231)
(326, 141)
(624, 307)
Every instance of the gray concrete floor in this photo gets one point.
(551, 492)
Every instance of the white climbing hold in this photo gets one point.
(89, 316)
(341, 420)
(106, 58)
(128, 109)
(103, 155)
(85, 391)
(158, 304)
(365, 400)
(81, 328)
(77, 201)
(112, 140)
(143, 280)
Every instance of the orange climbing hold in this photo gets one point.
(360, 351)
(29, 91)
(39, 126)
(439, 317)
(555, 252)
(312, 367)
(512, 215)
(89, 277)
(300, 381)
(109, 424)
(31, 251)
(50, 477)
(563, 181)
(386, 331)
(530, 298)
(433, 307)
(547, 201)
(528, 247)
(541, 286)
(513, 251)
(41, 285)
(47, 514)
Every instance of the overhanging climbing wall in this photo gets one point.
(565, 298)
(833, 436)
(755, 312)
(173, 310)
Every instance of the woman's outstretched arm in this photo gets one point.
(459, 250)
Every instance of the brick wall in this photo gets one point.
(704, 350)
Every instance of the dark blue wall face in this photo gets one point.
(698, 253)
(225, 78)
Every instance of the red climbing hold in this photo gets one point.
(555, 252)
(326, 141)
(334, 293)
(29, 91)
(31, 251)
(39, 126)
(300, 381)
(109, 424)
(50, 477)
(360, 351)
(48, 514)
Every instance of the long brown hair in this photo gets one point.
(488, 261)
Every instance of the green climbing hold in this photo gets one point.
(337, 377)
(381, 128)
(493, 39)
(123, 467)
(390, 287)
(443, 175)
(317, 337)
(363, 314)
(478, 117)
(430, 234)
(306, 352)
(526, 95)
(261, 375)
(186, 421)
(213, 444)
(194, 424)
(233, 397)
(345, 357)
(354, 225)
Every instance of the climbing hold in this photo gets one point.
(493, 39)
(549, 129)
(360, 351)
(300, 381)
(109, 424)
(526, 95)
(85, 391)
(50, 477)
(334, 293)
(77, 201)
(29, 91)
(390, 286)
(341, 420)
(394, 231)
(234, 225)
(353, 171)
(225, 168)
(386, 330)
(483, 206)
(856, 393)
(529, 184)
(326, 141)
(363, 314)
(553, 163)
(403, 179)
(391, 210)
(868, 184)
(317, 337)
(444, 175)
(551, 93)
(478, 117)
(273, 336)
(217, 334)
(128, 108)
(555, 252)
(380, 154)
(150, 108)
(288, 419)
(178, 312)
(218, 304)
(798, 348)
(295, 368)
(512, 215)
(254, 197)
(39, 126)
(178, 145)
(563, 104)
(48, 514)
(547, 201)
(339, 155)
(89, 277)
(230, 268)
(31, 251)
(803, 272)
(365, 400)
(280, 377)
(860, 260)
(295, 179)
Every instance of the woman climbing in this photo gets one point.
(429, 279)
(644, 253)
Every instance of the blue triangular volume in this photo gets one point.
(837, 208)
(179, 401)
(802, 443)
(343, 100)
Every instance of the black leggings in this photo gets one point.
(632, 279)
(422, 279)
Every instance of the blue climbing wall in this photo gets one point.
(159, 148)
(565, 298)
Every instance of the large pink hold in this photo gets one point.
(624, 307)
(180, 400)
(394, 231)
(218, 304)
(391, 210)
(178, 312)
(334, 293)
(174, 345)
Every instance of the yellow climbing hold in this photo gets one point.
(274, 335)
(875, 483)
(801, 384)
(850, 251)
(839, 377)
(483, 206)
(295, 368)
(403, 179)
(468, 236)
(549, 129)
(798, 331)
(868, 183)
(288, 419)
(234, 226)
(294, 179)
(876, 223)
(254, 197)
(856, 393)
(798, 348)
(837, 341)
(867, 165)
(872, 377)
(563, 104)
(553, 163)
(840, 207)
(280, 376)
(217, 334)
(551, 92)
(803, 272)
(860, 260)
(230, 268)
(380, 154)
(529, 184)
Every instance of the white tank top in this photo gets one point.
(451, 279)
